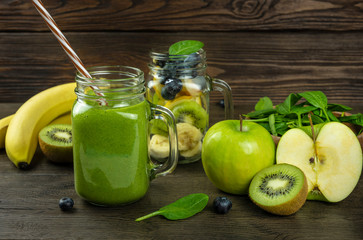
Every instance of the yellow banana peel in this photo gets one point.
(21, 138)
(4, 123)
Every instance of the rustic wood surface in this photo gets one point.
(260, 47)
(29, 208)
(193, 15)
(255, 64)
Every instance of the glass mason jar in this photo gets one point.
(110, 128)
(180, 83)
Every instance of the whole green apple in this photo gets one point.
(232, 155)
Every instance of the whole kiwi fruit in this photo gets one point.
(279, 189)
(55, 141)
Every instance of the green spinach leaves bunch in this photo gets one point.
(293, 112)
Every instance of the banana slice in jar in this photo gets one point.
(159, 146)
(189, 142)
(188, 136)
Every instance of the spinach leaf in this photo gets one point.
(317, 99)
(260, 113)
(285, 107)
(281, 128)
(356, 119)
(263, 104)
(338, 108)
(332, 117)
(185, 47)
(184, 207)
(271, 122)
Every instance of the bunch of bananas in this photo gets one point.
(19, 132)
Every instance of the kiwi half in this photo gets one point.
(280, 189)
(192, 113)
(55, 141)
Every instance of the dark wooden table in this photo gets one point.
(29, 207)
(261, 48)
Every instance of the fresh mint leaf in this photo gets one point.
(185, 47)
(184, 207)
(263, 104)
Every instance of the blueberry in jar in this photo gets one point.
(192, 60)
(222, 205)
(66, 203)
(172, 87)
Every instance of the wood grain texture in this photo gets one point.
(191, 15)
(29, 208)
(255, 64)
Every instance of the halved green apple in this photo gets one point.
(332, 163)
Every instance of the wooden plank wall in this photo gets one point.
(260, 47)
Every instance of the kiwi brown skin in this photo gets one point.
(57, 154)
(289, 207)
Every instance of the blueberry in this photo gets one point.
(192, 60)
(166, 95)
(221, 103)
(171, 88)
(66, 203)
(222, 205)
(159, 63)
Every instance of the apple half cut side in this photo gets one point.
(332, 164)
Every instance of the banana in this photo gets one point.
(22, 134)
(4, 123)
(159, 146)
(192, 152)
(188, 136)
(189, 142)
(62, 119)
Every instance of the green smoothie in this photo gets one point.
(110, 152)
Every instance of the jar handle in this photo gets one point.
(225, 89)
(170, 164)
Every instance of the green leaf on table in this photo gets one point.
(263, 104)
(185, 47)
(184, 207)
(285, 107)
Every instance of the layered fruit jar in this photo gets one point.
(180, 83)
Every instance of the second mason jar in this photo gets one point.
(181, 84)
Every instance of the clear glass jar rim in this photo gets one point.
(131, 73)
(163, 52)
